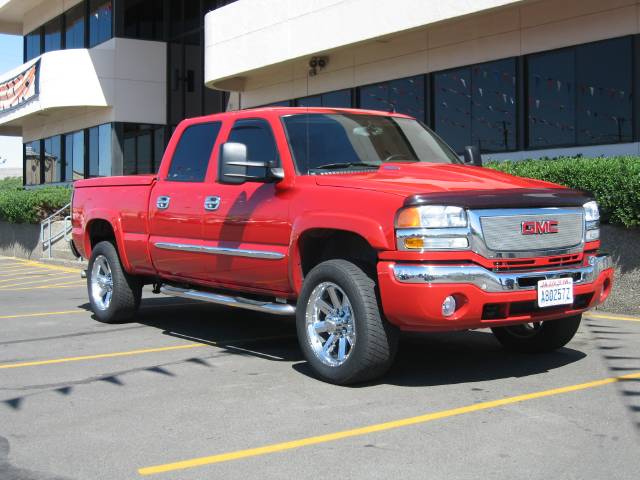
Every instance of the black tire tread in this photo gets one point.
(553, 335)
(378, 349)
(127, 289)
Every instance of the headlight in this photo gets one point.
(432, 227)
(591, 221)
(432, 216)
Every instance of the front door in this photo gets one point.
(249, 231)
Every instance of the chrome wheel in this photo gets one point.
(330, 324)
(101, 283)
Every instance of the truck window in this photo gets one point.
(191, 158)
(257, 136)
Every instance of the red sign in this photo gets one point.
(19, 89)
(539, 228)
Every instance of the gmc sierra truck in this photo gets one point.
(362, 224)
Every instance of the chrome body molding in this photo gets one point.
(497, 281)
(236, 252)
(274, 308)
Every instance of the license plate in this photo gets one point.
(557, 291)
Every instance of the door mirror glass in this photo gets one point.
(233, 165)
(472, 155)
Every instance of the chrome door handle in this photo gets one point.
(163, 203)
(212, 203)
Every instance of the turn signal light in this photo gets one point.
(414, 242)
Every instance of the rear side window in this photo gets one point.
(191, 158)
(261, 147)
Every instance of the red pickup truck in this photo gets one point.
(362, 224)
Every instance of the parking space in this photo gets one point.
(193, 391)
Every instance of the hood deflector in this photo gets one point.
(508, 198)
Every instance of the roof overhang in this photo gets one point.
(12, 13)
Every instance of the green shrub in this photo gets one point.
(614, 181)
(18, 205)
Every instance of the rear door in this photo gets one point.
(250, 228)
(177, 205)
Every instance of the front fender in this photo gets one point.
(369, 229)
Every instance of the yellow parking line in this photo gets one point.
(624, 318)
(139, 352)
(48, 267)
(2, 287)
(380, 427)
(23, 276)
(101, 355)
(41, 314)
(75, 283)
(21, 268)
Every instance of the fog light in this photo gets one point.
(593, 235)
(449, 306)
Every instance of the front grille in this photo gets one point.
(504, 233)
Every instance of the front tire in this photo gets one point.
(538, 337)
(340, 329)
(113, 293)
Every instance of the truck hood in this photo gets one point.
(462, 185)
(420, 178)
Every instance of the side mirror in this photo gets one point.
(235, 169)
(472, 155)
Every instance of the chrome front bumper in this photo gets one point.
(498, 281)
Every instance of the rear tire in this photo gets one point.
(340, 329)
(113, 293)
(538, 337)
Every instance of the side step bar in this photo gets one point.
(247, 304)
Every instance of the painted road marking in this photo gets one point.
(74, 283)
(42, 314)
(139, 352)
(31, 282)
(66, 312)
(624, 318)
(25, 276)
(380, 427)
(47, 266)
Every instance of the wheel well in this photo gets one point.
(319, 245)
(100, 231)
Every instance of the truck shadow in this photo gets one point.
(422, 360)
(434, 359)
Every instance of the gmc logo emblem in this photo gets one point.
(539, 228)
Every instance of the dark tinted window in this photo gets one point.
(74, 155)
(337, 99)
(603, 74)
(32, 163)
(452, 107)
(74, 27)
(53, 165)
(551, 98)
(405, 95)
(100, 21)
(32, 45)
(477, 106)
(100, 151)
(142, 146)
(53, 35)
(192, 154)
(143, 19)
(261, 146)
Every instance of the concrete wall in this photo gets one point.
(20, 240)
(273, 34)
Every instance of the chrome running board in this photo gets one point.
(238, 302)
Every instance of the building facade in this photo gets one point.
(105, 81)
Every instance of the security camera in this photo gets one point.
(313, 63)
(322, 62)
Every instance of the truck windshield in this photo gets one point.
(337, 141)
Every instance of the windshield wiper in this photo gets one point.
(335, 166)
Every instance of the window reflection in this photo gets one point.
(100, 151)
(32, 45)
(100, 21)
(32, 163)
(74, 27)
(405, 95)
(53, 35)
(337, 99)
(53, 171)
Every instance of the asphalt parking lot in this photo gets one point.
(194, 391)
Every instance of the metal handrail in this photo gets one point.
(45, 226)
